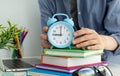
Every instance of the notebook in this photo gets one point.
(18, 64)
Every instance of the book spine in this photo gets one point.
(83, 54)
(72, 50)
(43, 72)
(72, 56)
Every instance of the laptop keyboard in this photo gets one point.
(16, 63)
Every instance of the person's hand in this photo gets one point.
(45, 42)
(88, 38)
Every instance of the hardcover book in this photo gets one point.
(72, 52)
(69, 61)
(66, 69)
(43, 72)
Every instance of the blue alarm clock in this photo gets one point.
(61, 32)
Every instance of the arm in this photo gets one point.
(93, 40)
(112, 25)
(47, 9)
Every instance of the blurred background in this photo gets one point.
(26, 14)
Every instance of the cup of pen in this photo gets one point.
(18, 41)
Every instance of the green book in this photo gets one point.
(73, 52)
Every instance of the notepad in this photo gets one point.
(19, 64)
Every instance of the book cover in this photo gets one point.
(66, 69)
(43, 72)
(71, 52)
(69, 61)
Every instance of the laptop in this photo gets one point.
(11, 65)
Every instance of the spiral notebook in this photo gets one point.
(18, 64)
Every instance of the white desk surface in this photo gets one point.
(115, 69)
(14, 73)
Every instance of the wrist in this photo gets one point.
(109, 42)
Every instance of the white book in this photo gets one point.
(69, 61)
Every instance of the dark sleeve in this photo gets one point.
(46, 10)
(112, 22)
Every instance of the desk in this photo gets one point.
(14, 73)
(114, 68)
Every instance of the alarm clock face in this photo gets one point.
(60, 35)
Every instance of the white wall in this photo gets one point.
(25, 13)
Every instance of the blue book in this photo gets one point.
(43, 72)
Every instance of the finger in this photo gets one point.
(45, 44)
(95, 47)
(87, 43)
(43, 37)
(45, 29)
(83, 31)
(84, 38)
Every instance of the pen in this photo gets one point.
(23, 36)
(18, 46)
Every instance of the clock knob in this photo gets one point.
(51, 21)
(69, 20)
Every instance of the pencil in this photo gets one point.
(18, 46)
(25, 32)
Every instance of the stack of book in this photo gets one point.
(63, 62)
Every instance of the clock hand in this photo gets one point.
(56, 34)
(60, 30)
